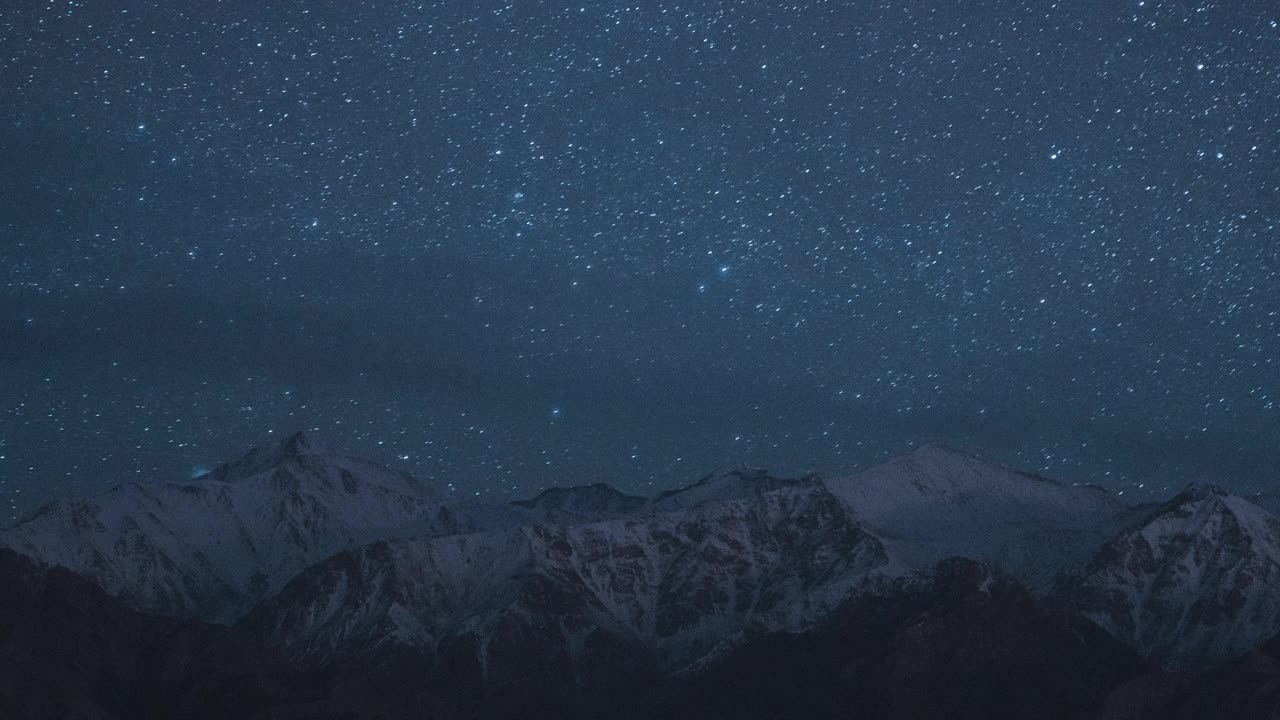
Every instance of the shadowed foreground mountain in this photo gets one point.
(935, 585)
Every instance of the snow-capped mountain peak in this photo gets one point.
(935, 502)
(260, 459)
(1197, 491)
(367, 555)
(213, 546)
(300, 462)
(1195, 580)
(673, 586)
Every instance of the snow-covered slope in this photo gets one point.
(351, 556)
(935, 503)
(213, 546)
(1196, 581)
(672, 586)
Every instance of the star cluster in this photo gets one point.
(515, 244)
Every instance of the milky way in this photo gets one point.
(508, 245)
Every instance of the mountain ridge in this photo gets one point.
(211, 547)
(667, 582)
(1194, 581)
(330, 556)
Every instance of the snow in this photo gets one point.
(213, 546)
(936, 503)
(675, 583)
(340, 554)
(1194, 582)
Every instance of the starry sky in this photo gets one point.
(514, 244)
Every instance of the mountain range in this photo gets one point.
(296, 582)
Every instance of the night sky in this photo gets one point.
(514, 244)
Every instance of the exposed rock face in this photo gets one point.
(1194, 581)
(672, 587)
(213, 546)
(347, 589)
(958, 641)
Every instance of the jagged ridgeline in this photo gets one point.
(297, 582)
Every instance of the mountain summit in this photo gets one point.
(214, 546)
(931, 571)
(261, 459)
(1194, 581)
(935, 502)
(669, 586)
